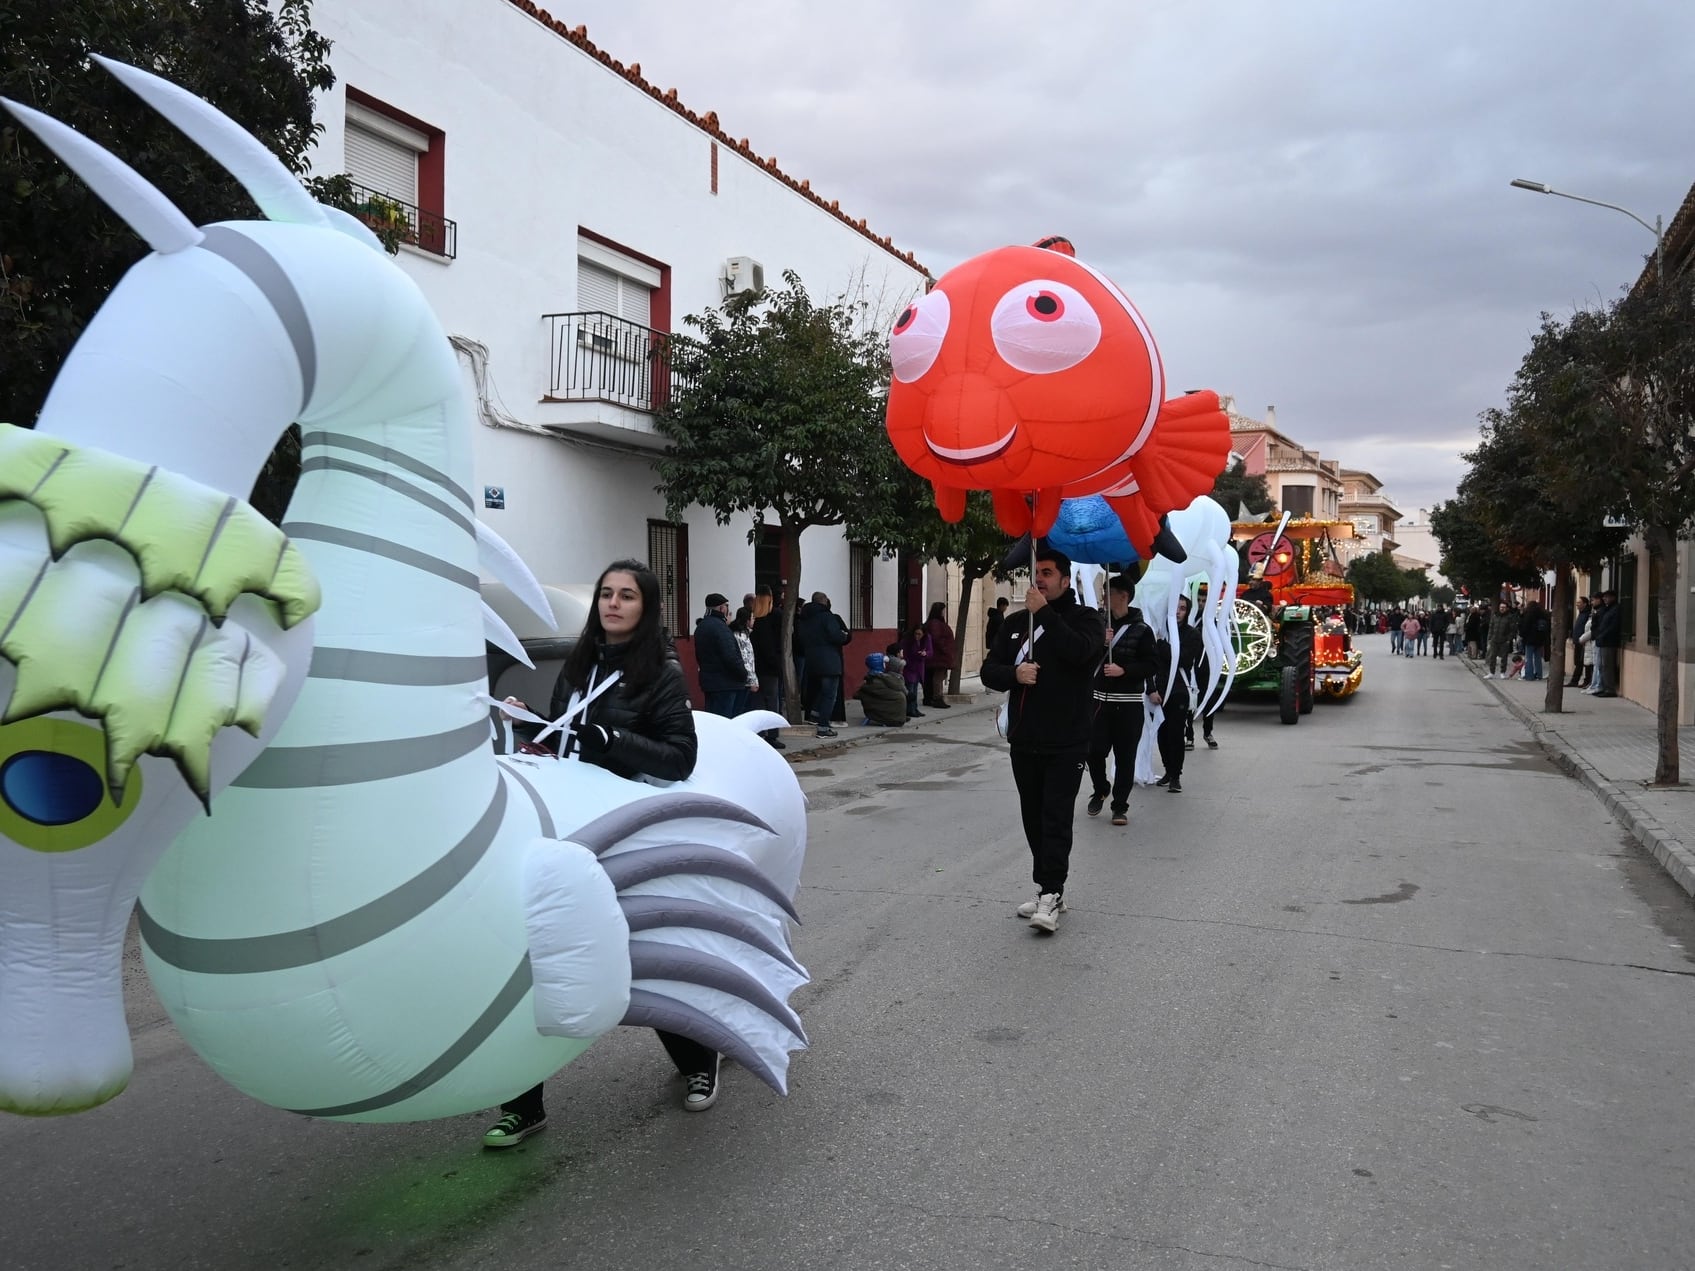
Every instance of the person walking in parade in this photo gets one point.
(633, 719)
(1119, 688)
(1177, 702)
(1044, 659)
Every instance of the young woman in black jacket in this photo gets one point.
(631, 717)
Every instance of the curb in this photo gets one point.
(853, 734)
(1674, 856)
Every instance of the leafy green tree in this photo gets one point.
(1470, 555)
(779, 412)
(1236, 489)
(1375, 577)
(1442, 595)
(61, 250)
(1633, 364)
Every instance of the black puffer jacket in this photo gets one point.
(1190, 655)
(1055, 714)
(651, 727)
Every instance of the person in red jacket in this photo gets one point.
(941, 656)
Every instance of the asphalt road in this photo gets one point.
(1380, 990)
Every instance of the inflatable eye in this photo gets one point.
(1043, 326)
(917, 338)
(53, 796)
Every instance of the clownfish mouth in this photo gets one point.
(973, 454)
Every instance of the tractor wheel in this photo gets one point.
(1295, 649)
(1289, 695)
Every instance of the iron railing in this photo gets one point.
(424, 230)
(596, 357)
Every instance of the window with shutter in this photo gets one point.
(382, 163)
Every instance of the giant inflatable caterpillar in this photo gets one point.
(381, 918)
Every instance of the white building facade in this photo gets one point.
(563, 215)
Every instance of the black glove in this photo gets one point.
(593, 741)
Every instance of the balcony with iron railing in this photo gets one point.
(597, 357)
(427, 231)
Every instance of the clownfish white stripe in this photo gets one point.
(389, 481)
(345, 441)
(375, 546)
(1156, 392)
(505, 1001)
(357, 762)
(411, 669)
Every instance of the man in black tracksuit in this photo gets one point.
(1119, 686)
(1044, 658)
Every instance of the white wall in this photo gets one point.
(542, 139)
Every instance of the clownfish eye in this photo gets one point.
(53, 793)
(1043, 326)
(916, 340)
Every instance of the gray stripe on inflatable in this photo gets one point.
(542, 813)
(654, 1010)
(390, 481)
(411, 669)
(265, 274)
(618, 824)
(305, 946)
(646, 913)
(399, 552)
(511, 993)
(355, 762)
(651, 960)
(345, 441)
(644, 864)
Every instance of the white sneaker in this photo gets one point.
(1029, 907)
(1049, 905)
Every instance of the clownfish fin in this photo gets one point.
(1184, 454)
(1141, 526)
(1012, 512)
(950, 502)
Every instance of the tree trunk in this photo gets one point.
(1663, 539)
(790, 555)
(967, 584)
(1553, 700)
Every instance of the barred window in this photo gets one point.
(1626, 588)
(859, 586)
(668, 557)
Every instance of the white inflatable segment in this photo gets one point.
(579, 941)
(506, 567)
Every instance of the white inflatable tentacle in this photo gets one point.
(274, 188)
(502, 636)
(498, 560)
(143, 208)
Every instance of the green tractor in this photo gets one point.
(1274, 657)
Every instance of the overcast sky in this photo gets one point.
(1308, 201)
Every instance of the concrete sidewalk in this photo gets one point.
(1610, 745)
(802, 740)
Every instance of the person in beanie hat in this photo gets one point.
(882, 694)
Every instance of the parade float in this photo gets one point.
(1283, 649)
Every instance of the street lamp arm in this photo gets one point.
(1656, 229)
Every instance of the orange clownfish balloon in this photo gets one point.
(1027, 372)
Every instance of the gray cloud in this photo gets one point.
(1308, 201)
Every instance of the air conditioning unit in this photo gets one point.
(743, 274)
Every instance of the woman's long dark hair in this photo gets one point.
(939, 610)
(647, 648)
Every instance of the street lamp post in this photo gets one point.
(1656, 229)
